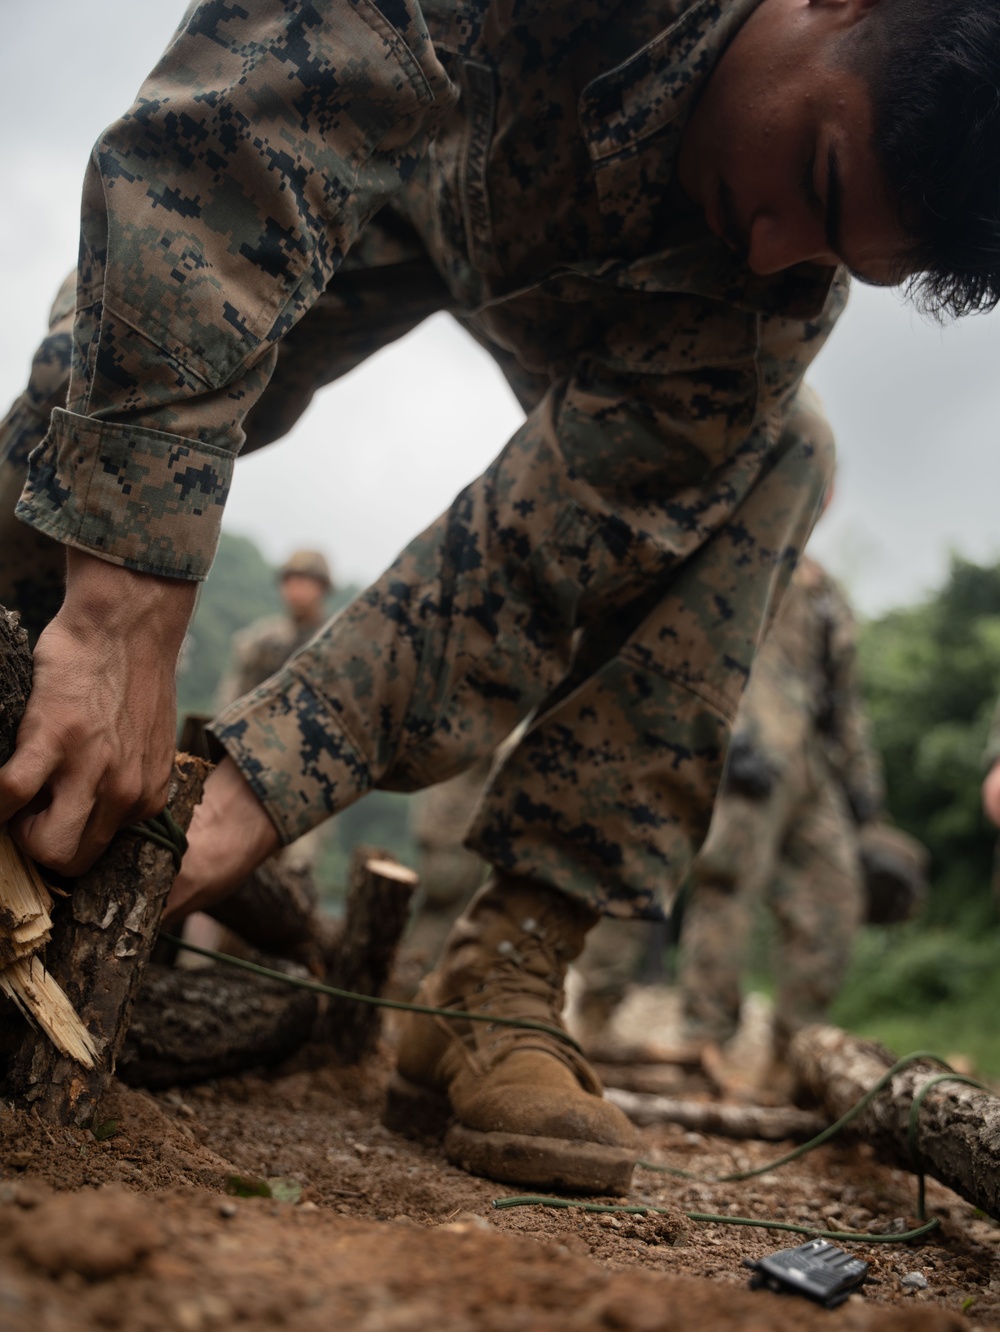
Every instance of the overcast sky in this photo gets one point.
(916, 408)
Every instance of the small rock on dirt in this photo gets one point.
(913, 1281)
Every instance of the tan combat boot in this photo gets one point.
(521, 1106)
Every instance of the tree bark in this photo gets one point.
(958, 1130)
(768, 1123)
(188, 1026)
(101, 940)
(378, 908)
(274, 910)
(15, 679)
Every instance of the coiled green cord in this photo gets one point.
(165, 831)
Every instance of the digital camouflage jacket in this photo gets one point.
(300, 182)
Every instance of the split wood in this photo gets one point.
(101, 939)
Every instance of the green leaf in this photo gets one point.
(247, 1186)
(285, 1188)
(102, 1132)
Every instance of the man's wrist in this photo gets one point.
(116, 601)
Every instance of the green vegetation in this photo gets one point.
(931, 676)
(915, 987)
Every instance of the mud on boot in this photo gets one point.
(517, 1105)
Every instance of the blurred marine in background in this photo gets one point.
(798, 824)
(263, 647)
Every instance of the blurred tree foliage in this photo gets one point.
(931, 675)
(241, 587)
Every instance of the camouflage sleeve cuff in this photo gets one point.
(295, 751)
(140, 498)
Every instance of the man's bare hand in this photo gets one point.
(991, 795)
(230, 834)
(96, 745)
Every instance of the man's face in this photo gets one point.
(304, 596)
(778, 150)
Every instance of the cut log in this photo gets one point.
(274, 910)
(188, 1026)
(100, 943)
(958, 1129)
(768, 1123)
(376, 914)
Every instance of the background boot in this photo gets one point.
(525, 1106)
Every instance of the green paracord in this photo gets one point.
(539, 1200)
(319, 988)
(530, 1200)
(165, 831)
(642, 1209)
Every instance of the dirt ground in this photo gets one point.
(134, 1224)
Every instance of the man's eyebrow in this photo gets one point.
(834, 201)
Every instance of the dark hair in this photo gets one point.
(933, 72)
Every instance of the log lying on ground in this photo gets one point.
(768, 1123)
(958, 1129)
(188, 1026)
(377, 910)
(646, 1052)
(101, 941)
(274, 910)
(647, 1079)
(191, 1025)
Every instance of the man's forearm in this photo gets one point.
(106, 599)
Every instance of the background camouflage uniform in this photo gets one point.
(299, 184)
(258, 651)
(803, 774)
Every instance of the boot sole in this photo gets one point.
(560, 1163)
(414, 1111)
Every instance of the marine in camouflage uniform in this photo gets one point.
(298, 185)
(803, 779)
(261, 648)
